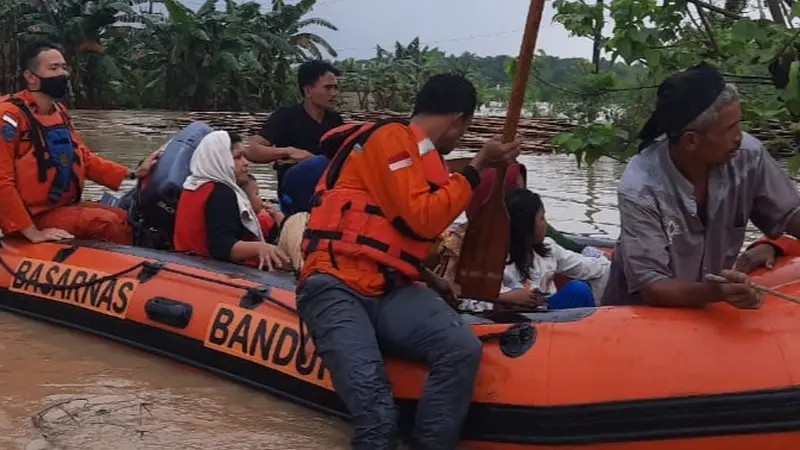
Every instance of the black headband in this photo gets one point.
(681, 98)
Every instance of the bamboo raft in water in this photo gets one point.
(536, 133)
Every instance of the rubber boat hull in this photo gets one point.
(600, 378)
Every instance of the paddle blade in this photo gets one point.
(486, 242)
(484, 251)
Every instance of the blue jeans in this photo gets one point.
(574, 294)
(350, 332)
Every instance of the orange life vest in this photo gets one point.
(52, 159)
(348, 222)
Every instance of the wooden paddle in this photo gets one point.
(486, 241)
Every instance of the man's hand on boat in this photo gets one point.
(271, 257)
(496, 153)
(147, 164)
(738, 292)
(762, 255)
(36, 235)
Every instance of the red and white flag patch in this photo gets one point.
(399, 161)
(9, 120)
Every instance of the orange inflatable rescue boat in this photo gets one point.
(594, 378)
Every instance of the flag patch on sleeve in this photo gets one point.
(10, 120)
(399, 161)
(9, 128)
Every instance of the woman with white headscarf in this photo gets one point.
(215, 217)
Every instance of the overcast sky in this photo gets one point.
(485, 27)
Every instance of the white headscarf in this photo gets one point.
(212, 161)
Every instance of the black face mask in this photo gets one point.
(55, 87)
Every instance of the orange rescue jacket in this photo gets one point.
(51, 159)
(348, 222)
(44, 163)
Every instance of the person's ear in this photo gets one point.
(28, 76)
(691, 140)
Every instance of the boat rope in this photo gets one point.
(51, 286)
(48, 287)
(511, 332)
(228, 284)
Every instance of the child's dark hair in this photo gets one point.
(235, 138)
(523, 206)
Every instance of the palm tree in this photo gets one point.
(235, 57)
(80, 26)
(288, 22)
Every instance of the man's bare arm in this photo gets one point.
(262, 151)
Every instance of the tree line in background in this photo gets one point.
(124, 55)
(239, 57)
(159, 54)
(390, 79)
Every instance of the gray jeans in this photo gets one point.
(351, 330)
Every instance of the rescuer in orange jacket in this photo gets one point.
(44, 163)
(385, 197)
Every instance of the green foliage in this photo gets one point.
(589, 143)
(236, 58)
(660, 39)
(239, 57)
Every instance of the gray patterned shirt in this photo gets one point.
(661, 234)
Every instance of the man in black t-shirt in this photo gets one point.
(292, 133)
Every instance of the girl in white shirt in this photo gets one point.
(535, 259)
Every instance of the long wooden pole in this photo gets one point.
(486, 242)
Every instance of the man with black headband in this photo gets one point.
(685, 200)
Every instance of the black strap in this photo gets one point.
(392, 279)
(36, 136)
(40, 151)
(335, 167)
(315, 236)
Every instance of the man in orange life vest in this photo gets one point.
(44, 163)
(384, 198)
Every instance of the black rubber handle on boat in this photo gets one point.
(169, 312)
(514, 341)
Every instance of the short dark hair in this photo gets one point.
(446, 94)
(27, 58)
(311, 71)
(235, 138)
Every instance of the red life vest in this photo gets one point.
(190, 223)
(348, 221)
(267, 224)
(190, 234)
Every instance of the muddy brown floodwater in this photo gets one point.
(61, 389)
